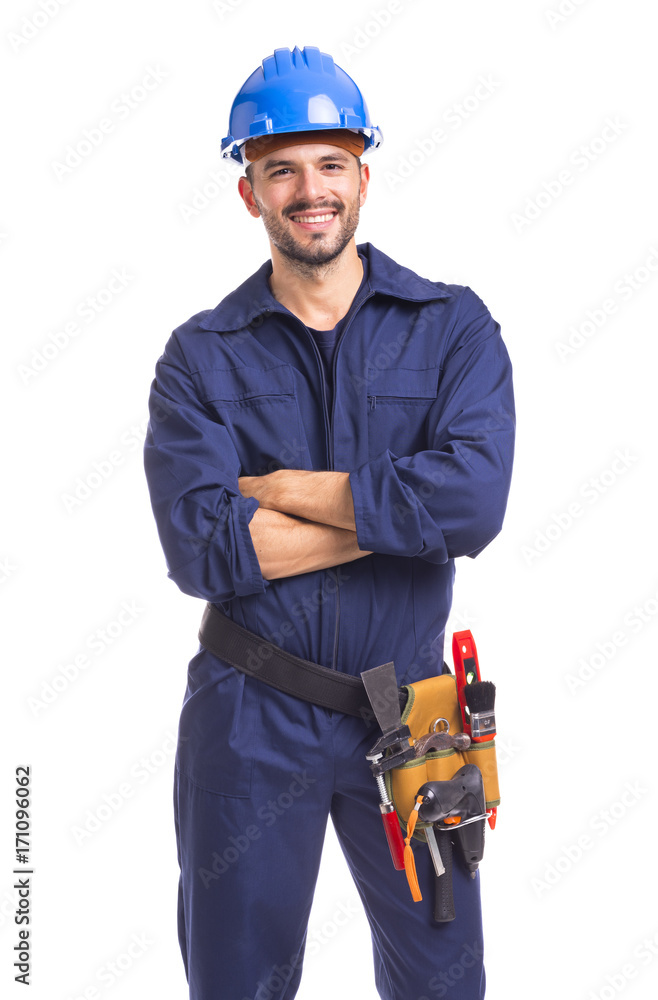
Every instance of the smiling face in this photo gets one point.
(308, 197)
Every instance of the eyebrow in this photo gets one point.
(329, 157)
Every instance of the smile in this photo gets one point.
(312, 219)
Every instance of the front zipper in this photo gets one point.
(329, 423)
(331, 427)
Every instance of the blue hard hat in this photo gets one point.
(298, 90)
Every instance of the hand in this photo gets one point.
(323, 497)
(256, 487)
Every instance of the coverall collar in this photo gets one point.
(253, 298)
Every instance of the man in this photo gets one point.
(322, 446)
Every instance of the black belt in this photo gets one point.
(255, 656)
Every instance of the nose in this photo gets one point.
(310, 184)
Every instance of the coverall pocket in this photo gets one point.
(218, 727)
(260, 411)
(399, 400)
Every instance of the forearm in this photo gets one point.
(324, 497)
(286, 546)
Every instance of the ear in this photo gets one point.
(247, 195)
(365, 180)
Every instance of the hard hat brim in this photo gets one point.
(255, 149)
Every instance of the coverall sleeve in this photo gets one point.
(448, 500)
(192, 470)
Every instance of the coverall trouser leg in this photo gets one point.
(258, 773)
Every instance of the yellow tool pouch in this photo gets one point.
(428, 700)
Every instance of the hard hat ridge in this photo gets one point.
(285, 61)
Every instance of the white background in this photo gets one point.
(568, 879)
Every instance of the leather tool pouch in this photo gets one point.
(427, 700)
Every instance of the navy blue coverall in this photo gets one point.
(422, 419)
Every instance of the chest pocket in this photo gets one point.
(258, 406)
(399, 400)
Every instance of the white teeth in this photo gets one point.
(312, 218)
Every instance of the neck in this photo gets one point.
(319, 295)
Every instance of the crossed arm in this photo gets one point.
(305, 521)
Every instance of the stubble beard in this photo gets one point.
(323, 251)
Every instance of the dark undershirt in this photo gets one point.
(327, 340)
